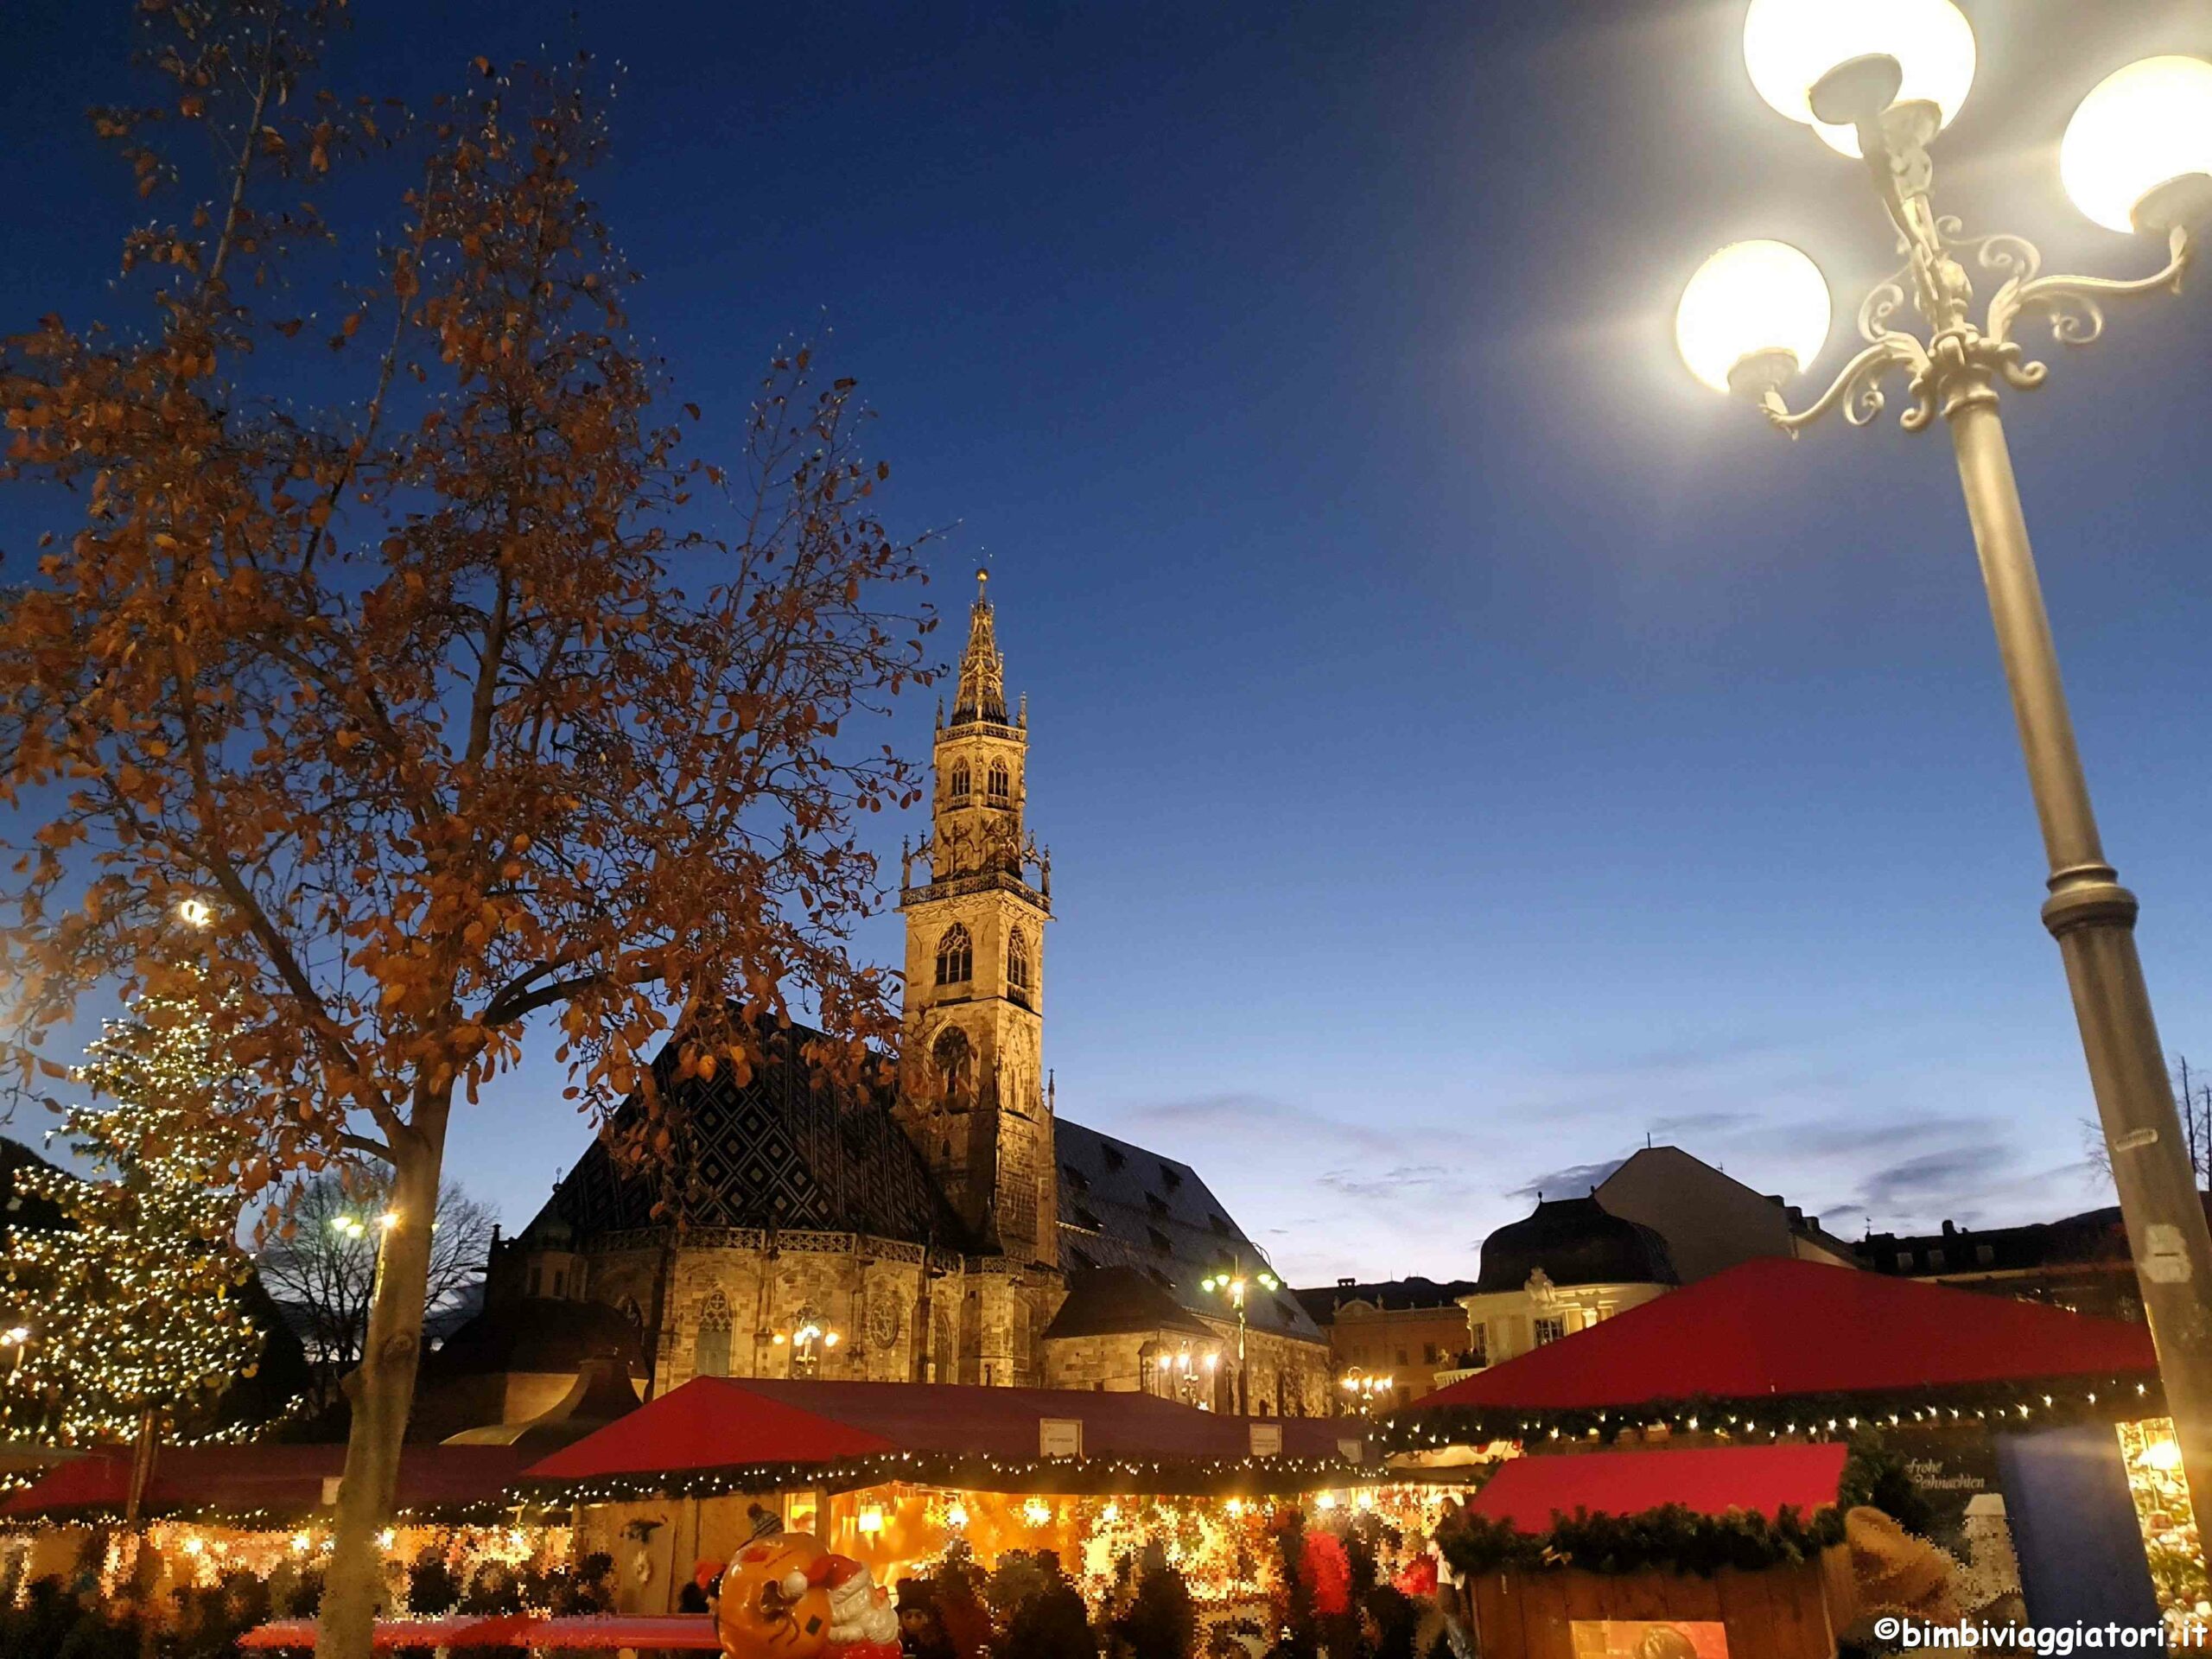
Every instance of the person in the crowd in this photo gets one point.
(921, 1629)
(697, 1596)
(957, 1589)
(1326, 1570)
(1389, 1624)
(1053, 1622)
(1161, 1621)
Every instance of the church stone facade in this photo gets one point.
(943, 1225)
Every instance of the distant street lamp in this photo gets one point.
(1881, 79)
(809, 1339)
(1233, 1284)
(1363, 1387)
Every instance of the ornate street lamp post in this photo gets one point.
(1233, 1285)
(1362, 1388)
(1881, 81)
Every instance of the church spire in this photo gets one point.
(982, 669)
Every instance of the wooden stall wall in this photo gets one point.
(1782, 1612)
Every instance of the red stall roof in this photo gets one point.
(1779, 1328)
(722, 1423)
(280, 1480)
(1527, 1491)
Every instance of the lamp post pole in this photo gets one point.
(1233, 1284)
(1956, 372)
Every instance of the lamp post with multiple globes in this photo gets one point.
(1879, 79)
(1362, 1388)
(1233, 1284)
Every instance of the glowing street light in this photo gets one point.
(1889, 75)
(1233, 1285)
(1363, 1387)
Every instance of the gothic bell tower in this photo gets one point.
(972, 1090)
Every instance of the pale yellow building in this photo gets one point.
(1565, 1266)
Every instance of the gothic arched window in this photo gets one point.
(1001, 786)
(959, 785)
(956, 956)
(710, 1350)
(954, 1056)
(1018, 972)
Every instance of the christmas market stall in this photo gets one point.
(267, 1510)
(1705, 1553)
(894, 1474)
(1781, 1352)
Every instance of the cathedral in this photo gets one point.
(948, 1225)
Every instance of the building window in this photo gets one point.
(1984, 1255)
(1478, 1345)
(956, 956)
(559, 1280)
(1935, 1261)
(535, 1282)
(1401, 1355)
(710, 1350)
(1428, 1353)
(1000, 785)
(1905, 1260)
(954, 1058)
(959, 786)
(1017, 961)
(1550, 1330)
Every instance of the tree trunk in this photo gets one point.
(382, 1390)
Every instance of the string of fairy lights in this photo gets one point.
(1248, 1475)
(132, 1308)
(2057, 1400)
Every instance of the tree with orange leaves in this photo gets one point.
(373, 733)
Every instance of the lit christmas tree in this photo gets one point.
(130, 1310)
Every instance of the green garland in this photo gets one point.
(1670, 1538)
(1675, 1539)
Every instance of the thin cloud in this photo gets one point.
(1573, 1182)
(1388, 1183)
(1241, 1114)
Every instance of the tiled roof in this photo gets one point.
(1117, 1301)
(1121, 1205)
(778, 1151)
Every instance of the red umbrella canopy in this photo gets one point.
(1778, 1329)
(1712, 1480)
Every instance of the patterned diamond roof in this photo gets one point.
(779, 1150)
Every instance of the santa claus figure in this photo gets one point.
(786, 1597)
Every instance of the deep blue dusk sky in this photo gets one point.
(1466, 745)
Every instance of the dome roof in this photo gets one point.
(538, 1333)
(1575, 1241)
